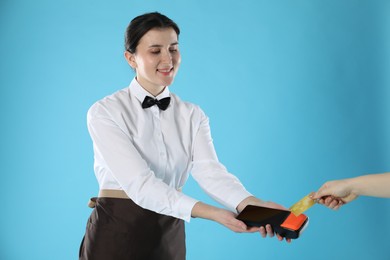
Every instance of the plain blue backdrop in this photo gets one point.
(297, 93)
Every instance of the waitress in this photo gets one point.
(146, 141)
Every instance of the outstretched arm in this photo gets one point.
(335, 193)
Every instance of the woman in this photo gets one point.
(334, 194)
(146, 141)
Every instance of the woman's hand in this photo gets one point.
(334, 194)
(267, 230)
(228, 219)
(223, 217)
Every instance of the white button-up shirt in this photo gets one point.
(149, 153)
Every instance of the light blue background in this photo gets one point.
(297, 93)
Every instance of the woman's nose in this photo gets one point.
(166, 57)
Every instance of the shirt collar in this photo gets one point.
(140, 93)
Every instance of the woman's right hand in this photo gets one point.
(334, 194)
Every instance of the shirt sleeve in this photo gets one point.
(131, 171)
(210, 174)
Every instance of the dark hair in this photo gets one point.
(140, 25)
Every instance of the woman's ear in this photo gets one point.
(130, 59)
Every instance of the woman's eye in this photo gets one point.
(173, 50)
(155, 51)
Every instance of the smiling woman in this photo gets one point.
(157, 59)
(152, 50)
(146, 141)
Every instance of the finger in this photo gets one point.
(269, 230)
(234, 228)
(339, 205)
(328, 200)
(262, 231)
(321, 201)
(315, 195)
(253, 229)
(333, 204)
(240, 225)
(280, 238)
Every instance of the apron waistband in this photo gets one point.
(118, 194)
(105, 193)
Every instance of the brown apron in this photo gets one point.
(119, 229)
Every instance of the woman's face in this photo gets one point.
(156, 59)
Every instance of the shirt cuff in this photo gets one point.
(185, 207)
(235, 198)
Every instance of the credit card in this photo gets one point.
(301, 206)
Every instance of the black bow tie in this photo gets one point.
(162, 103)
